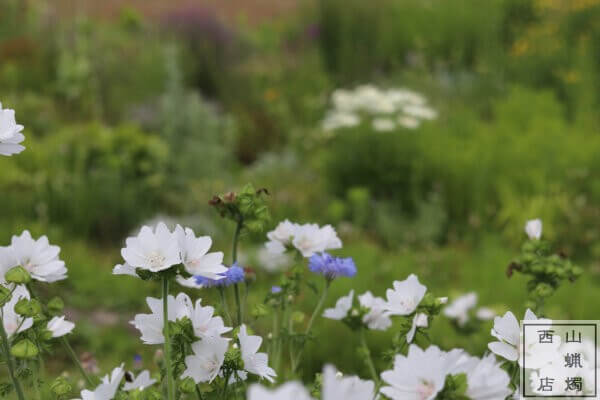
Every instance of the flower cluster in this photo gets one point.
(212, 357)
(307, 239)
(387, 109)
(159, 249)
(10, 133)
(461, 311)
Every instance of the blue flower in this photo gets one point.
(276, 289)
(331, 267)
(234, 274)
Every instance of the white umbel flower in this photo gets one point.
(38, 257)
(10, 133)
(141, 382)
(108, 388)
(195, 256)
(376, 318)
(533, 229)
(342, 306)
(254, 362)
(406, 295)
(14, 323)
(348, 388)
(152, 250)
(58, 326)
(204, 365)
(287, 391)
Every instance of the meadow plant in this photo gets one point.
(214, 352)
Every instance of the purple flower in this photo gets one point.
(331, 267)
(276, 289)
(234, 274)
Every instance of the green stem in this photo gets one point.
(76, 361)
(167, 344)
(316, 312)
(236, 239)
(198, 393)
(9, 363)
(224, 304)
(36, 381)
(368, 358)
(236, 291)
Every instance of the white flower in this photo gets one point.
(152, 250)
(484, 313)
(376, 318)
(406, 295)
(419, 375)
(124, 269)
(422, 112)
(287, 391)
(485, 379)
(203, 321)
(254, 362)
(310, 239)
(460, 307)
(142, 381)
(195, 256)
(340, 119)
(383, 124)
(59, 327)
(419, 321)
(283, 232)
(10, 133)
(347, 388)
(204, 365)
(190, 282)
(108, 388)
(342, 306)
(508, 332)
(533, 229)
(38, 257)
(408, 122)
(14, 323)
(271, 261)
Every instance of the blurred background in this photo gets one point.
(426, 131)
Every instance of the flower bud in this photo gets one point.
(24, 349)
(187, 385)
(28, 307)
(60, 386)
(17, 274)
(56, 305)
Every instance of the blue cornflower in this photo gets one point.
(276, 289)
(331, 267)
(234, 274)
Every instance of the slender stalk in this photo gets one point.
(198, 393)
(236, 239)
(224, 304)
(368, 358)
(167, 345)
(296, 360)
(236, 289)
(10, 363)
(317, 309)
(36, 381)
(76, 361)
